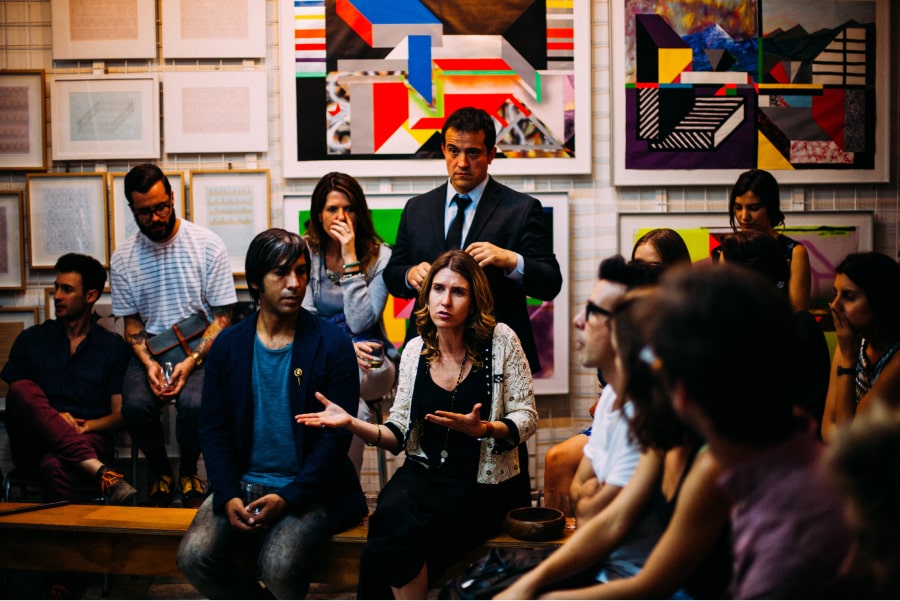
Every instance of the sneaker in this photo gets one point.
(162, 492)
(114, 487)
(192, 491)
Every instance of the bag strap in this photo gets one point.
(182, 340)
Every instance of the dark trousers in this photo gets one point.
(45, 447)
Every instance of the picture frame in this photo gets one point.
(687, 121)
(530, 69)
(111, 117)
(828, 235)
(550, 320)
(216, 111)
(23, 143)
(102, 311)
(234, 204)
(239, 29)
(12, 241)
(112, 29)
(67, 213)
(13, 320)
(123, 223)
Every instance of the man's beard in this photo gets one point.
(160, 232)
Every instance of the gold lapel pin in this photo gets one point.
(297, 373)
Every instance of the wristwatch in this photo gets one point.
(846, 371)
(197, 358)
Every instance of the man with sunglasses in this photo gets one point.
(166, 272)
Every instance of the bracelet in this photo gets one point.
(488, 429)
(846, 371)
(349, 265)
(197, 358)
(377, 440)
(350, 274)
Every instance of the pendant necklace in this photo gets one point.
(444, 453)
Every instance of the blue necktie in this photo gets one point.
(454, 235)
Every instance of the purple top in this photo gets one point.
(788, 534)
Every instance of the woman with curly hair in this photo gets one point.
(464, 404)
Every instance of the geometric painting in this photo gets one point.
(708, 89)
(549, 319)
(368, 84)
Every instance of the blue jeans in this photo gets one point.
(140, 410)
(205, 559)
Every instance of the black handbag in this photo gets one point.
(494, 572)
(178, 342)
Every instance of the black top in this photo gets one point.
(79, 383)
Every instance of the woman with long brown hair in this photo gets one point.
(464, 403)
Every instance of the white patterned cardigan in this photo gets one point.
(512, 400)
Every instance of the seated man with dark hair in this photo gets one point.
(65, 395)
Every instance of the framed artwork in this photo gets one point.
(113, 117)
(550, 320)
(800, 88)
(234, 204)
(112, 29)
(213, 29)
(23, 140)
(123, 224)
(216, 111)
(102, 311)
(366, 87)
(13, 320)
(66, 213)
(12, 241)
(828, 236)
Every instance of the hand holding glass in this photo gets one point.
(251, 492)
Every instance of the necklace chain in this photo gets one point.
(444, 453)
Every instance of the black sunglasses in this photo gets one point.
(591, 309)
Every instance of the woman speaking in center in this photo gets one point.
(464, 402)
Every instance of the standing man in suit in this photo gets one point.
(504, 230)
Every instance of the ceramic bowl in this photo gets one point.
(535, 523)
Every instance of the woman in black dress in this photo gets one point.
(464, 403)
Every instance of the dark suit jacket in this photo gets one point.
(504, 217)
(326, 356)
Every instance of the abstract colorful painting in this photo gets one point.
(549, 319)
(705, 89)
(367, 84)
(828, 237)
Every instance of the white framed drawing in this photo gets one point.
(123, 223)
(23, 141)
(112, 29)
(549, 320)
(216, 111)
(66, 213)
(232, 203)
(13, 320)
(829, 236)
(213, 29)
(111, 117)
(12, 241)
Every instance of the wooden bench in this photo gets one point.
(109, 539)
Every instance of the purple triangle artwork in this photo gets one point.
(722, 86)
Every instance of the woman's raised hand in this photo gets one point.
(333, 416)
(467, 423)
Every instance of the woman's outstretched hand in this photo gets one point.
(467, 423)
(333, 416)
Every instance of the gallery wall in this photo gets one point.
(594, 203)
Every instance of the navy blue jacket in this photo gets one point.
(326, 357)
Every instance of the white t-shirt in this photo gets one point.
(165, 282)
(609, 450)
